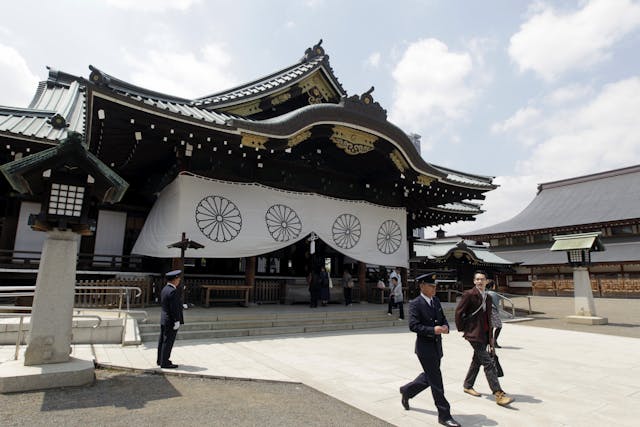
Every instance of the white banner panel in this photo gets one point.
(234, 220)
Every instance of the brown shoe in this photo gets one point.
(471, 391)
(502, 399)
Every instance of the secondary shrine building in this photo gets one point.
(607, 203)
(270, 178)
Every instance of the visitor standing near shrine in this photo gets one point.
(170, 318)
(496, 322)
(427, 320)
(473, 318)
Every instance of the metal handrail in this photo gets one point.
(529, 297)
(28, 291)
(503, 299)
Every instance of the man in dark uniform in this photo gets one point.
(473, 319)
(428, 321)
(170, 318)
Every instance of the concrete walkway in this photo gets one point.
(558, 377)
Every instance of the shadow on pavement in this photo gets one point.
(121, 390)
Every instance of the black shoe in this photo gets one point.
(405, 401)
(449, 423)
(169, 366)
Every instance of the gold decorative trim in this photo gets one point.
(317, 88)
(298, 138)
(398, 160)
(280, 98)
(254, 141)
(352, 141)
(247, 109)
(424, 180)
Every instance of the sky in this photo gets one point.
(525, 91)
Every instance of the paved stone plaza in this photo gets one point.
(558, 377)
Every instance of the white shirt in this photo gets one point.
(427, 299)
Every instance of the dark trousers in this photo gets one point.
(431, 377)
(314, 295)
(396, 304)
(482, 357)
(347, 295)
(165, 344)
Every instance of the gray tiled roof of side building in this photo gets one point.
(603, 197)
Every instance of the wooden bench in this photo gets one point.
(238, 288)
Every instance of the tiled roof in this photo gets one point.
(457, 177)
(603, 197)
(434, 250)
(54, 111)
(267, 84)
(460, 207)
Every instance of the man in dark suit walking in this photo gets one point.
(428, 321)
(473, 318)
(170, 318)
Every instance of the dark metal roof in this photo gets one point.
(592, 199)
(314, 59)
(627, 250)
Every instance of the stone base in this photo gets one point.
(588, 320)
(15, 377)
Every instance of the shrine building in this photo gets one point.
(265, 179)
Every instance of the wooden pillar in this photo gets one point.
(250, 275)
(250, 271)
(362, 280)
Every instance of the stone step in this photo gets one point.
(275, 330)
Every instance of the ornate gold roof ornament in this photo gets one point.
(254, 141)
(353, 141)
(366, 105)
(312, 52)
(424, 180)
(399, 160)
(298, 138)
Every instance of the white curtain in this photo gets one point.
(109, 235)
(239, 220)
(26, 238)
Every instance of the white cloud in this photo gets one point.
(19, 83)
(601, 134)
(153, 5)
(183, 74)
(521, 118)
(551, 43)
(430, 85)
(502, 204)
(374, 59)
(570, 93)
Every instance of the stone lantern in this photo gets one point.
(578, 248)
(65, 178)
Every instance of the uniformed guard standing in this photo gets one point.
(428, 321)
(170, 318)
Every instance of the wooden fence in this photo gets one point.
(601, 287)
(104, 297)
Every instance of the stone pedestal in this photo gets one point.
(585, 308)
(16, 377)
(52, 314)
